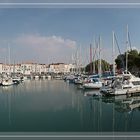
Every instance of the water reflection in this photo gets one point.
(127, 107)
(124, 103)
(118, 113)
(50, 105)
(6, 107)
(59, 106)
(91, 92)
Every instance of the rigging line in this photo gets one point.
(117, 43)
(118, 49)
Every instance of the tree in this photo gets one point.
(104, 65)
(133, 60)
(120, 61)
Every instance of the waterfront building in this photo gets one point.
(60, 68)
(1, 67)
(55, 67)
(6, 68)
(16, 68)
(33, 68)
(71, 68)
(28, 68)
(43, 68)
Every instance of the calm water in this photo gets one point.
(56, 106)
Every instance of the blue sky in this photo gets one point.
(100, 1)
(50, 35)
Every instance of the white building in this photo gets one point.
(28, 68)
(60, 68)
(6, 68)
(1, 67)
(43, 68)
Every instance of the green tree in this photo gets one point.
(132, 55)
(104, 65)
(120, 61)
(133, 60)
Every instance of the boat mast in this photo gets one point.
(90, 59)
(113, 51)
(126, 48)
(14, 68)
(9, 57)
(100, 61)
(9, 53)
(77, 58)
(80, 60)
(93, 61)
(72, 70)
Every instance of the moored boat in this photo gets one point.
(36, 77)
(123, 84)
(7, 82)
(49, 77)
(43, 77)
(92, 83)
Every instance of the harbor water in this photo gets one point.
(58, 106)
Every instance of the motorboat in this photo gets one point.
(49, 77)
(16, 79)
(7, 82)
(126, 83)
(70, 78)
(36, 77)
(43, 77)
(58, 77)
(92, 83)
(78, 80)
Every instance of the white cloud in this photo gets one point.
(55, 48)
(135, 48)
(44, 41)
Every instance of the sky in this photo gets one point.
(50, 35)
(99, 1)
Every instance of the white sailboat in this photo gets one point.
(95, 83)
(78, 80)
(43, 77)
(49, 77)
(36, 77)
(126, 83)
(7, 80)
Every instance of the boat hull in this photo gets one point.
(92, 85)
(120, 91)
(4, 83)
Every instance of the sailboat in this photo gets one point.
(126, 83)
(36, 77)
(7, 80)
(92, 82)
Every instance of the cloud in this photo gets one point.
(135, 48)
(54, 48)
(44, 41)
